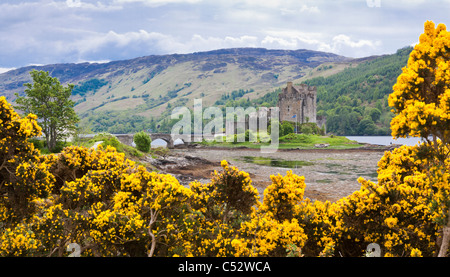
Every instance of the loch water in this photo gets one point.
(384, 140)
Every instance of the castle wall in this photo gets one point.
(309, 114)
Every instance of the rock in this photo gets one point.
(322, 145)
(96, 144)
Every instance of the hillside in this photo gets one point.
(131, 95)
(354, 99)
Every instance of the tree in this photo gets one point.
(375, 114)
(49, 100)
(421, 103)
(143, 141)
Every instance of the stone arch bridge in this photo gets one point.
(168, 138)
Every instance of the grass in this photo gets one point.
(130, 152)
(275, 162)
(304, 141)
(295, 141)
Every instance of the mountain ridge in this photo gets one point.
(148, 86)
(93, 69)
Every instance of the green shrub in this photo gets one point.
(108, 139)
(296, 138)
(286, 128)
(59, 146)
(131, 151)
(42, 145)
(143, 141)
(38, 143)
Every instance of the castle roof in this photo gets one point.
(298, 89)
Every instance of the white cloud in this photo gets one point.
(274, 42)
(3, 69)
(124, 44)
(347, 41)
(344, 45)
(52, 31)
(79, 4)
(340, 44)
(312, 9)
(74, 3)
(157, 3)
(293, 39)
(97, 41)
(94, 61)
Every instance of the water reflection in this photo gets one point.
(275, 162)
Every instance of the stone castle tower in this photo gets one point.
(298, 103)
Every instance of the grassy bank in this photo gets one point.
(296, 141)
(105, 139)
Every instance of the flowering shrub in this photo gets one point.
(18, 242)
(283, 196)
(22, 177)
(420, 101)
(264, 236)
(421, 95)
(112, 207)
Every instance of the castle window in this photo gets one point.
(288, 109)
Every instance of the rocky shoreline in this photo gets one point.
(330, 174)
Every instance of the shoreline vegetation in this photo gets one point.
(289, 142)
(301, 142)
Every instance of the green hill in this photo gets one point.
(355, 100)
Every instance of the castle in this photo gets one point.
(295, 103)
(298, 103)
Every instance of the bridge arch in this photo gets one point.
(178, 141)
(159, 142)
(166, 137)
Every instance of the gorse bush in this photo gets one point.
(112, 207)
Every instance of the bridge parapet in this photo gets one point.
(128, 139)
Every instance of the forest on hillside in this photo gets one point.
(355, 100)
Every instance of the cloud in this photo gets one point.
(53, 31)
(313, 9)
(74, 3)
(99, 6)
(3, 69)
(340, 44)
(101, 46)
(293, 39)
(154, 42)
(113, 41)
(347, 41)
(274, 42)
(157, 3)
(354, 48)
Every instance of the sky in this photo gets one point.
(74, 31)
